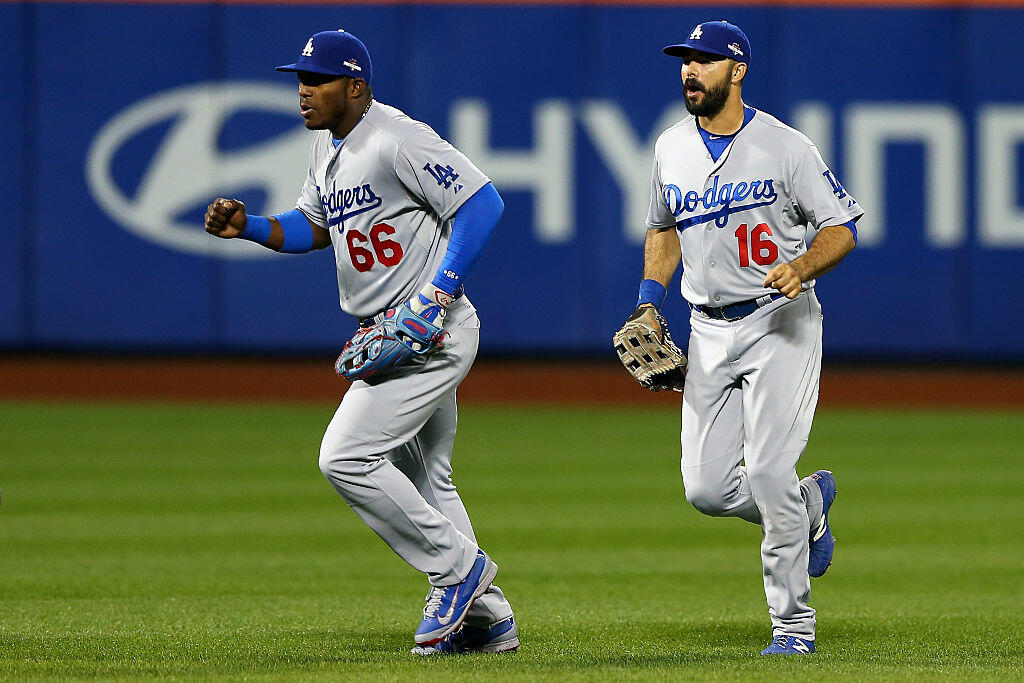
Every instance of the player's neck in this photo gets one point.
(725, 122)
(351, 118)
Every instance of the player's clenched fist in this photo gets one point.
(785, 278)
(225, 218)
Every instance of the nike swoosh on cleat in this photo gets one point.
(821, 529)
(446, 619)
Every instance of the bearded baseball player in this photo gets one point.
(734, 192)
(407, 215)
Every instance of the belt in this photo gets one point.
(740, 309)
(372, 319)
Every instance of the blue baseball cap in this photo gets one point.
(717, 38)
(334, 53)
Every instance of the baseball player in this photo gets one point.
(407, 215)
(733, 194)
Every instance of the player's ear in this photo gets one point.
(358, 86)
(738, 72)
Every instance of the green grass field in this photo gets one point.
(154, 540)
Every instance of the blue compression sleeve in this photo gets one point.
(257, 229)
(472, 226)
(651, 292)
(298, 233)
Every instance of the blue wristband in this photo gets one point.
(652, 292)
(298, 233)
(257, 229)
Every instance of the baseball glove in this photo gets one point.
(418, 325)
(401, 335)
(646, 349)
(370, 350)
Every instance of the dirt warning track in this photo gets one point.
(491, 381)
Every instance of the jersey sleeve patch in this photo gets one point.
(436, 173)
(445, 176)
(820, 194)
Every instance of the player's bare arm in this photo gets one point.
(225, 218)
(643, 343)
(830, 247)
(661, 255)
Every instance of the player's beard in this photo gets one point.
(714, 99)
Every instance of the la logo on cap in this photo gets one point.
(308, 50)
(693, 36)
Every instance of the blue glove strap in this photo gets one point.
(652, 292)
(257, 229)
(431, 310)
(419, 334)
(298, 233)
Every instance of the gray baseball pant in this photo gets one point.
(388, 452)
(751, 390)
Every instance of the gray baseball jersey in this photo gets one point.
(751, 382)
(386, 194)
(747, 212)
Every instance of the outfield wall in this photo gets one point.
(121, 121)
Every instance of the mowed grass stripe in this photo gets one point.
(170, 541)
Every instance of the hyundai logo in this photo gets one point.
(187, 170)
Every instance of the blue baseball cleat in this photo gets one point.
(822, 543)
(447, 606)
(789, 645)
(501, 636)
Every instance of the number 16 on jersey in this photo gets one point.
(763, 251)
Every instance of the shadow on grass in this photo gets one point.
(623, 644)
